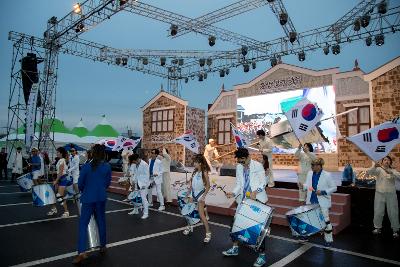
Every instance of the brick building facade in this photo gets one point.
(166, 117)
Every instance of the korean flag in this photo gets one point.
(377, 142)
(303, 117)
(189, 141)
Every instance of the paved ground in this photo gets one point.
(30, 238)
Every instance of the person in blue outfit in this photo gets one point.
(250, 182)
(35, 163)
(94, 179)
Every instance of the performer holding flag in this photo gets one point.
(377, 142)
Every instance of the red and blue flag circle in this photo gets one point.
(110, 143)
(309, 112)
(388, 134)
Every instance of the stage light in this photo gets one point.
(145, 61)
(302, 56)
(227, 71)
(200, 77)
(174, 30)
(379, 39)
(244, 50)
(180, 61)
(326, 50)
(205, 75)
(221, 73)
(211, 40)
(336, 49)
(77, 8)
(368, 41)
(270, 1)
(246, 68)
(53, 20)
(274, 62)
(124, 61)
(162, 61)
(118, 60)
(80, 27)
(202, 61)
(365, 20)
(209, 62)
(253, 65)
(174, 61)
(382, 7)
(122, 2)
(186, 80)
(283, 17)
(357, 25)
(292, 37)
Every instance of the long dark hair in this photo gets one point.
(391, 161)
(199, 158)
(64, 153)
(265, 162)
(98, 155)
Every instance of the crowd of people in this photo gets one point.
(92, 179)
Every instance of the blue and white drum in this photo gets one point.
(69, 192)
(306, 220)
(135, 199)
(25, 182)
(181, 198)
(191, 213)
(43, 195)
(251, 223)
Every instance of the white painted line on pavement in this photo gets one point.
(15, 204)
(292, 256)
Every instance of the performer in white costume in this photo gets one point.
(305, 158)
(140, 176)
(166, 175)
(156, 178)
(73, 169)
(265, 146)
(211, 153)
(385, 195)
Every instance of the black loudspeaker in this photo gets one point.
(228, 170)
(29, 74)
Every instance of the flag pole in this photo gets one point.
(233, 151)
(340, 114)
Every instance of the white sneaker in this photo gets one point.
(134, 211)
(161, 208)
(145, 216)
(65, 214)
(52, 212)
(188, 230)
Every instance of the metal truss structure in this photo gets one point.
(367, 20)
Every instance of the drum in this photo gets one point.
(135, 198)
(306, 220)
(181, 198)
(43, 195)
(69, 192)
(191, 213)
(251, 223)
(25, 182)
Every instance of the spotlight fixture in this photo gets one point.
(211, 40)
(145, 61)
(292, 37)
(209, 62)
(246, 68)
(221, 73)
(122, 2)
(180, 61)
(302, 56)
(80, 27)
(365, 20)
(244, 50)
(379, 39)
(77, 8)
(382, 7)
(162, 61)
(124, 61)
(174, 61)
(202, 61)
(186, 80)
(253, 65)
(357, 25)
(336, 49)
(118, 60)
(368, 41)
(283, 17)
(274, 62)
(326, 50)
(174, 30)
(270, 1)
(205, 75)
(200, 77)
(227, 71)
